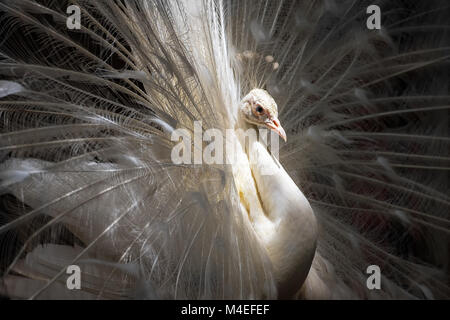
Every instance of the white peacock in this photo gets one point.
(86, 176)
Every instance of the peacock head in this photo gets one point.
(259, 108)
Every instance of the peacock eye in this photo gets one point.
(259, 109)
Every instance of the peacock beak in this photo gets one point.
(274, 125)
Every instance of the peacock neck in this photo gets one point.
(289, 230)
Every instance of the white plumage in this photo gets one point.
(86, 175)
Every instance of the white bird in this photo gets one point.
(87, 176)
